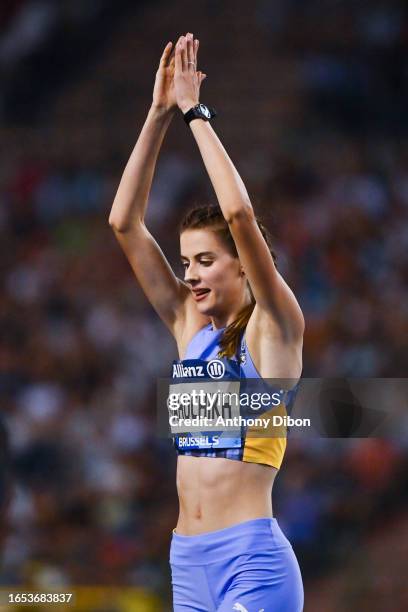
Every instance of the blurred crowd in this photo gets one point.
(93, 493)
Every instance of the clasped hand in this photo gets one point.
(178, 81)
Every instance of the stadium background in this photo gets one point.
(312, 102)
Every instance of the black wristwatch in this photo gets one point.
(199, 111)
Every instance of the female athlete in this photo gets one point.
(227, 552)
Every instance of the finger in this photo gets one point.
(186, 54)
(190, 52)
(166, 54)
(178, 59)
(183, 53)
(170, 61)
(196, 45)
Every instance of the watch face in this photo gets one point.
(204, 110)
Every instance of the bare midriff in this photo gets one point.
(215, 493)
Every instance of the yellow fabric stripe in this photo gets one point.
(259, 448)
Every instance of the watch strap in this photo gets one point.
(199, 111)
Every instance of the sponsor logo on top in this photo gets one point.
(214, 369)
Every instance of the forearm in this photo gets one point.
(130, 202)
(229, 188)
(228, 185)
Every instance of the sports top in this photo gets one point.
(204, 348)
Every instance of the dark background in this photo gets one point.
(312, 103)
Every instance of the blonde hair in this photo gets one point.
(211, 217)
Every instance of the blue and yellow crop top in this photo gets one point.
(202, 358)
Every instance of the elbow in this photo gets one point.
(123, 226)
(119, 219)
(117, 227)
(240, 211)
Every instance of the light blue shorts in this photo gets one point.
(249, 567)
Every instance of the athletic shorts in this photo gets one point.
(249, 567)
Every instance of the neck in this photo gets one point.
(223, 320)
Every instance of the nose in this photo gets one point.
(191, 274)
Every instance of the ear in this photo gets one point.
(241, 271)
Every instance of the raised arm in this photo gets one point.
(163, 289)
(273, 296)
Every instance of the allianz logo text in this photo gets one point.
(214, 369)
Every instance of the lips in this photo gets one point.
(200, 294)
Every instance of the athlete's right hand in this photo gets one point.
(164, 97)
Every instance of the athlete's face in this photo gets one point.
(214, 275)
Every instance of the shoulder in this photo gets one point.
(275, 351)
(188, 324)
(286, 320)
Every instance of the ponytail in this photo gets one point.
(229, 343)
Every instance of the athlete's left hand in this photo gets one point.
(187, 80)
